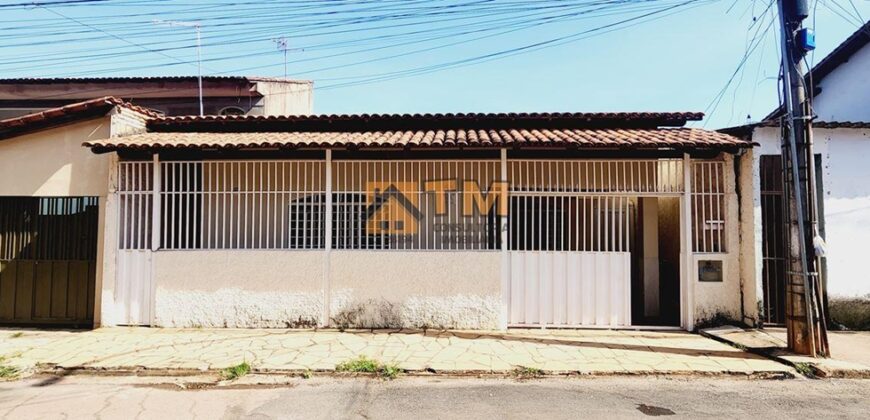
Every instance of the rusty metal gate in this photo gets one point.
(774, 249)
(773, 239)
(48, 250)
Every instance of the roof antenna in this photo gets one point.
(196, 26)
(282, 44)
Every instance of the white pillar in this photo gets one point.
(687, 289)
(155, 205)
(505, 255)
(327, 292)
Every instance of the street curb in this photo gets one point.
(756, 351)
(817, 370)
(509, 374)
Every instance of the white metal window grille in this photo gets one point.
(135, 195)
(243, 204)
(414, 205)
(616, 177)
(558, 221)
(708, 206)
(583, 205)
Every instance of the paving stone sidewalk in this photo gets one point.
(850, 349)
(553, 351)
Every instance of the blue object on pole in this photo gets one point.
(806, 39)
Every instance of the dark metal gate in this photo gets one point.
(48, 249)
(773, 240)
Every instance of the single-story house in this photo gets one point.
(474, 221)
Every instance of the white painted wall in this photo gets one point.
(845, 91)
(287, 98)
(845, 175)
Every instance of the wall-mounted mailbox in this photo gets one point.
(710, 270)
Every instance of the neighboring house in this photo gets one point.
(53, 210)
(841, 136)
(170, 95)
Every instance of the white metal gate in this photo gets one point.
(134, 285)
(570, 228)
(134, 290)
(570, 288)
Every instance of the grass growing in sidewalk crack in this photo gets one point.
(7, 372)
(363, 364)
(525, 372)
(235, 372)
(805, 369)
(16, 335)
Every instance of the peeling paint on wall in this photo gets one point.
(419, 312)
(236, 308)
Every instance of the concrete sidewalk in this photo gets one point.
(850, 350)
(458, 352)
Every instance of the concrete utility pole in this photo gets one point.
(805, 319)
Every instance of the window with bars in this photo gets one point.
(708, 206)
(415, 205)
(579, 205)
(224, 204)
(135, 199)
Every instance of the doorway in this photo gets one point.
(655, 259)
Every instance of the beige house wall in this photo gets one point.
(53, 163)
(238, 288)
(281, 289)
(421, 289)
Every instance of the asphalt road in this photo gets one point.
(433, 398)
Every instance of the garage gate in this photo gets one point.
(48, 250)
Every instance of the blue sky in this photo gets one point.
(678, 59)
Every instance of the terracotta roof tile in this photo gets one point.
(575, 138)
(51, 117)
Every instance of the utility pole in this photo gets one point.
(197, 27)
(805, 320)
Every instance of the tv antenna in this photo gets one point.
(283, 45)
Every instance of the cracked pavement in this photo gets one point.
(553, 351)
(80, 397)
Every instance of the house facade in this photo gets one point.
(472, 221)
(478, 221)
(168, 95)
(841, 137)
